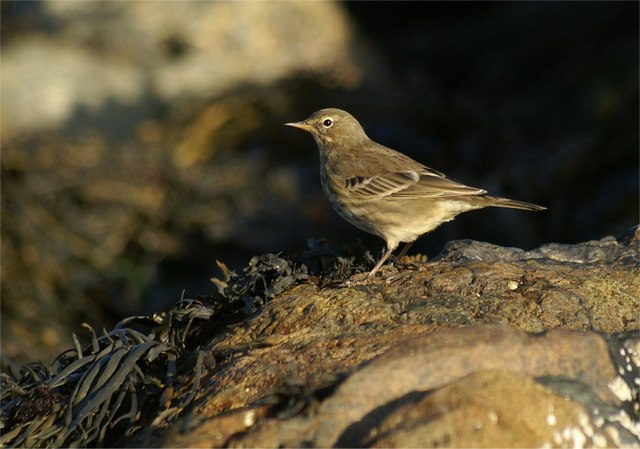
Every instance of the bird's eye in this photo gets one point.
(327, 123)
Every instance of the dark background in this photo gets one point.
(119, 203)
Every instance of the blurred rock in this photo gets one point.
(110, 64)
(113, 114)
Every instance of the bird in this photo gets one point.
(384, 192)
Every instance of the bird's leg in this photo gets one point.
(405, 265)
(404, 250)
(384, 257)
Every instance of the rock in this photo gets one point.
(413, 380)
(141, 141)
(486, 409)
(447, 355)
(623, 250)
(470, 351)
(165, 150)
(113, 63)
(546, 390)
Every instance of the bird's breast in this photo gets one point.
(350, 208)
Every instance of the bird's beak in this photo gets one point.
(301, 125)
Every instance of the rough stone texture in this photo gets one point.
(167, 151)
(435, 356)
(451, 352)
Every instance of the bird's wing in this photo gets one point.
(436, 185)
(371, 180)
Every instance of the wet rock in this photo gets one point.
(465, 387)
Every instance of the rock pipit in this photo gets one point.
(383, 192)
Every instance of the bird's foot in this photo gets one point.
(367, 278)
(403, 263)
(356, 279)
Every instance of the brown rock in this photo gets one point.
(487, 409)
(445, 356)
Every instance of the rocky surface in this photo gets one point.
(140, 144)
(483, 346)
(421, 371)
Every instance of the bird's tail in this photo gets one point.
(497, 201)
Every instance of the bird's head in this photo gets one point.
(332, 128)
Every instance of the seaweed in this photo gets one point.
(143, 373)
(110, 390)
